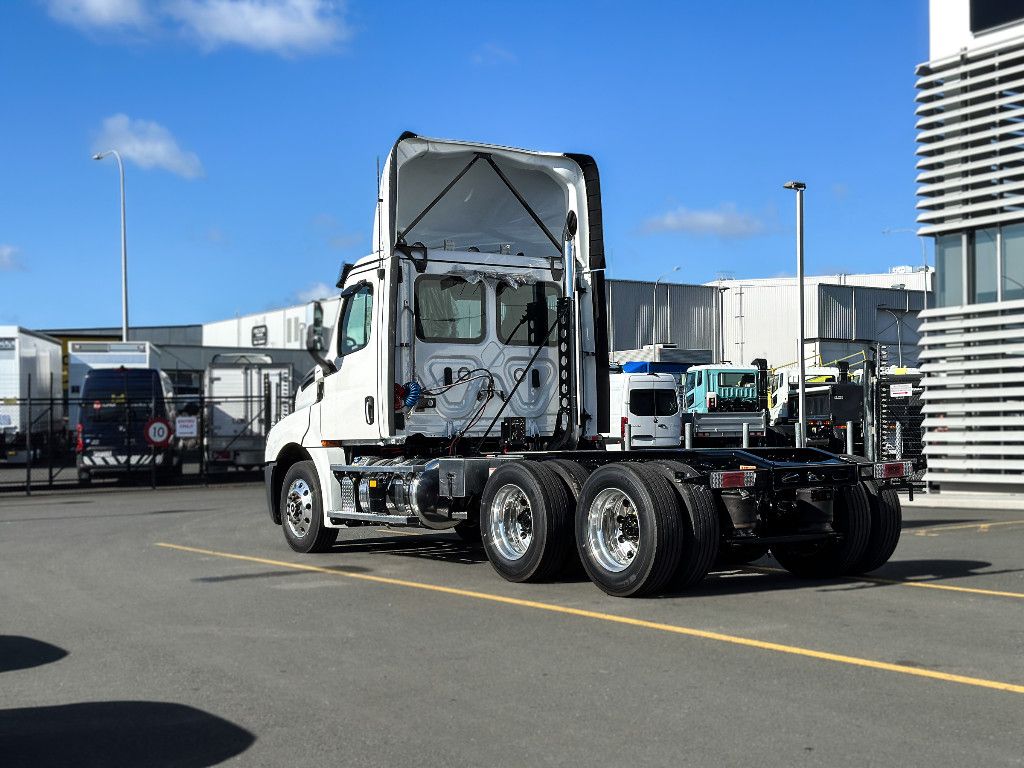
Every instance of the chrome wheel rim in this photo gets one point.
(299, 508)
(511, 522)
(613, 530)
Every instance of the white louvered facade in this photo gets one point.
(970, 175)
(971, 139)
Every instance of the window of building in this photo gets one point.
(356, 321)
(1013, 262)
(449, 309)
(949, 271)
(992, 14)
(983, 279)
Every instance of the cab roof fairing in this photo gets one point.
(417, 170)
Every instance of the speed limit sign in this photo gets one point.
(158, 432)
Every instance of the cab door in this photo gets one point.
(351, 409)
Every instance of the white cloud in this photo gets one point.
(9, 259)
(492, 53)
(147, 144)
(98, 13)
(725, 221)
(314, 292)
(280, 26)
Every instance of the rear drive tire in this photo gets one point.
(851, 518)
(525, 521)
(701, 531)
(629, 529)
(886, 525)
(84, 478)
(302, 510)
(574, 476)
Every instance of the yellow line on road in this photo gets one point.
(615, 619)
(982, 527)
(907, 583)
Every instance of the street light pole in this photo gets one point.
(799, 187)
(124, 243)
(654, 307)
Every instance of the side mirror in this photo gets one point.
(315, 339)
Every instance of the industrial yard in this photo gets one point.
(626, 387)
(183, 632)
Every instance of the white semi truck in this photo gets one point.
(464, 386)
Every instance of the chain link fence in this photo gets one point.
(154, 441)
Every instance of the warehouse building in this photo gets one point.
(971, 189)
(845, 315)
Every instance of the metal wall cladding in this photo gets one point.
(687, 315)
(867, 315)
(762, 321)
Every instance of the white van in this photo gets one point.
(644, 411)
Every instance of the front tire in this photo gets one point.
(525, 521)
(302, 510)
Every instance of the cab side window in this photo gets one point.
(691, 382)
(356, 321)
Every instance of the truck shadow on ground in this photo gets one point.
(766, 576)
(18, 652)
(442, 547)
(118, 733)
(908, 524)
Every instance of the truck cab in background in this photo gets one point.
(720, 399)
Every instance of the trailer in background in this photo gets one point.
(31, 402)
(245, 395)
(84, 356)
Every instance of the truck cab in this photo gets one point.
(463, 386)
(725, 401)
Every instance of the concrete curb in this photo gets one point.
(964, 501)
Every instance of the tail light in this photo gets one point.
(79, 441)
(735, 479)
(622, 427)
(893, 470)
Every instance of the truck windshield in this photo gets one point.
(653, 402)
(512, 305)
(449, 309)
(745, 379)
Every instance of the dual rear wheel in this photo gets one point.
(635, 528)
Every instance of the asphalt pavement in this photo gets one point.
(175, 627)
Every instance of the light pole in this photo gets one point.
(654, 308)
(124, 244)
(924, 257)
(799, 187)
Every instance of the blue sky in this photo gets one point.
(252, 129)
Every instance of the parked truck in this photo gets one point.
(245, 395)
(721, 399)
(31, 402)
(463, 387)
(85, 356)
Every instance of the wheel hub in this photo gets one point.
(613, 530)
(299, 508)
(511, 522)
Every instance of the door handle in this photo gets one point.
(368, 407)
